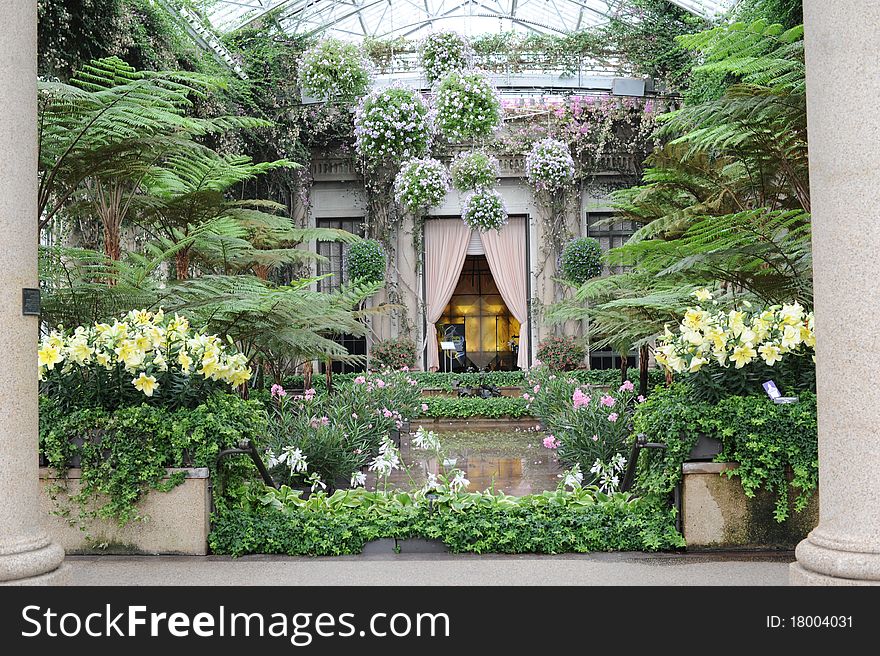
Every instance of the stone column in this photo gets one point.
(843, 87)
(27, 555)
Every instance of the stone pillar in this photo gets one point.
(842, 56)
(27, 555)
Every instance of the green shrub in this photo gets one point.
(553, 522)
(124, 452)
(393, 354)
(497, 407)
(561, 353)
(366, 261)
(765, 438)
(581, 260)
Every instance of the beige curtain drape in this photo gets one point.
(506, 252)
(446, 243)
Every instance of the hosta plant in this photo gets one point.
(474, 169)
(484, 210)
(421, 184)
(468, 106)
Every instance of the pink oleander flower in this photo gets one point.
(627, 386)
(278, 391)
(424, 407)
(354, 415)
(537, 389)
(526, 396)
(595, 438)
(325, 421)
(607, 401)
(613, 417)
(551, 442)
(387, 413)
(380, 383)
(360, 380)
(579, 399)
(640, 398)
(405, 368)
(411, 381)
(310, 394)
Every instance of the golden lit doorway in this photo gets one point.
(477, 321)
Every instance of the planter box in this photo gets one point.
(716, 513)
(175, 522)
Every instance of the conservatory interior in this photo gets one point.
(499, 276)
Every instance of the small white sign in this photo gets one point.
(447, 346)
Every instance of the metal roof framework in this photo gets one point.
(359, 19)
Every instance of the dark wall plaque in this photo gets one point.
(30, 302)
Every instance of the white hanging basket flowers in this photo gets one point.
(474, 169)
(391, 125)
(440, 53)
(468, 106)
(484, 210)
(549, 166)
(421, 184)
(334, 70)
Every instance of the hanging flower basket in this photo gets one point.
(392, 125)
(334, 70)
(474, 169)
(468, 106)
(484, 210)
(421, 184)
(549, 166)
(441, 53)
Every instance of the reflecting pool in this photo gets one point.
(513, 461)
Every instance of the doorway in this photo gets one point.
(477, 322)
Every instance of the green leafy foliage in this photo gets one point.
(366, 261)
(776, 446)
(334, 70)
(561, 353)
(280, 522)
(498, 407)
(581, 260)
(394, 353)
(124, 452)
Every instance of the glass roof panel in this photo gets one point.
(353, 19)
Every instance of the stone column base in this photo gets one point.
(797, 575)
(826, 559)
(60, 576)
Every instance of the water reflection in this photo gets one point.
(513, 461)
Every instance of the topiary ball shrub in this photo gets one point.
(393, 354)
(468, 106)
(443, 52)
(366, 261)
(421, 184)
(474, 170)
(581, 260)
(484, 210)
(561, 353)
(334, 70)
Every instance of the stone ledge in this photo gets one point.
(75, 473)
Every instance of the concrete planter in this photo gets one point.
(175, 522)
(716, 513)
